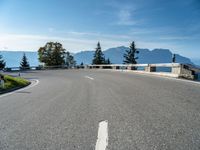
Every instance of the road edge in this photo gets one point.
(33, 82)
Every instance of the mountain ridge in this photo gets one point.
(115, 55)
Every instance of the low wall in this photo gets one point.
(177, 70)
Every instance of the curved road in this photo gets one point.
(64, 110)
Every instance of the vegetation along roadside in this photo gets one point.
(10, 83)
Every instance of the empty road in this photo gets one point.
(64, 111)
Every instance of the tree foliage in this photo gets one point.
(52, 54)
(98, 56)
(173, 58)
(70, 62)
(24, 63)
(107, 61)
(81, 64)
(129, 56)
(2, 63)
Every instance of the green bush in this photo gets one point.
(14, 82)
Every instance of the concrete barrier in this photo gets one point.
(177, 70)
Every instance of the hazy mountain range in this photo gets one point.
(145, 56)
(115, 55)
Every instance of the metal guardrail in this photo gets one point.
(138, 65)
(11, 69)
(180, 70)
(119, 65)
(104, 65)
(165, 65)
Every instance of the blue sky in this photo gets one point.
(80, 24)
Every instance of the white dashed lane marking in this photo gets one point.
(102, 139)
(89, 77)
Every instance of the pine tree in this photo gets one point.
(2, 63)
(108, 61)
(173, 58)
(130, 54)
(24, 63)
(98, 56)
(81, 65)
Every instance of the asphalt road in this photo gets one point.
(63, 111)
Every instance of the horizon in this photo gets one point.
(195, 61)
(78, 51)
(153, 24)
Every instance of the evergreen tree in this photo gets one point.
(81, 65)
(98, 56)
(130, 54)
(2, 63)
(24, 63)
(70, 62)
(52, 54)
(108, 61)
(173, 58)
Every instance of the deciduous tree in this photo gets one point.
(52, 54)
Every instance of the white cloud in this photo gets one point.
(124, 12)
(125, 17)
(98, 35)
(176, 38)
(33, 42)
(28, 42)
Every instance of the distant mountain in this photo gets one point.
(145, 56)
(196, 62)
(115, 55)
(84, 56)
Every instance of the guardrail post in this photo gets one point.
(150, 68)
(176, 70)
(183, 71)
(114, 67)
(129, 68)
(2, 83)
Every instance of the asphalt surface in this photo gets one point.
(63, 112)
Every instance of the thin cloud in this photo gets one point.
(33, 42)
(176, 38)
(100, 35)
(125, 17)
(124, 14)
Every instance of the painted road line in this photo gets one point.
(102, 139)
(89, 77)
(36, 82)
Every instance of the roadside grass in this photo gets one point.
(12, 83)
